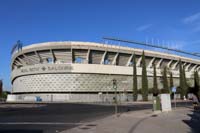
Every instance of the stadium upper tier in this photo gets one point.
(84, 71)
(95, 53)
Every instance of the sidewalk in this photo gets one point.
(181, 120)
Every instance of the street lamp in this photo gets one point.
(115, 99)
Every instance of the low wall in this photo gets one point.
(122, 97)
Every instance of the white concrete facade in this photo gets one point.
(75, 69)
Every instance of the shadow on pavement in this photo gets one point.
(21, 131)
(66, 113)
(44, 118)
(194, 122)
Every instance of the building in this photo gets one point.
(83, 71)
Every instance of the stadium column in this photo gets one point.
(36, 53)
(151, 63)
(129, 60)
(27, 59)
(193, 68)
(187, 67)
(18, 63)
(159, 63)
(139, 62)
(175, 65)
(22, 61)
(197, 69)
(169, 64)
(103, 57)
(88, 56)
(53, 56)
(115, 59)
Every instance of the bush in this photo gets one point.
(164, 91)
(139, 91)
(4, 94)
(150, 90)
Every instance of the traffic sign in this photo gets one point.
(174, 89)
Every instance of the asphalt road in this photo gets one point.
(52, 118)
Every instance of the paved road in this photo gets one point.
(181, 120)
(51, 118)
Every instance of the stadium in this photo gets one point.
(83, 71)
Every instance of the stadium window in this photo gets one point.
(131, 63)
(79, 60)
(49, 60)
(106, 61)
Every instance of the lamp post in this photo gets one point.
(115, 99)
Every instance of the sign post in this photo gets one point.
(174, 91)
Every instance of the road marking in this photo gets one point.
(39, 123)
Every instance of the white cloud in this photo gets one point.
(144, 27)
(193, 21)
(193, 18)
(196, 27)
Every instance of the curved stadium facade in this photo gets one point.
(83, 71)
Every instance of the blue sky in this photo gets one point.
(176, 22)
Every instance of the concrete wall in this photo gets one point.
(122, 97)
(78, 83)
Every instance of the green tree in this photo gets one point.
(185, 85)
(196, 89)
(144, 79)
(135, 89)
(155, 83)
(196, 79)
(4, 94)
(1, 88)
(165, 81)
(171, 80)
(181, 79)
